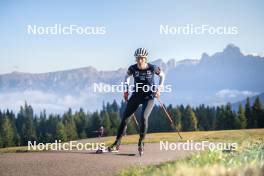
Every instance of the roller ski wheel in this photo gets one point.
(140, 150)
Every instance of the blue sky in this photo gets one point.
(129, 25)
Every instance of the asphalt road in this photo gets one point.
(83, 162)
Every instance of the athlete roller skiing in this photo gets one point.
(143, 93)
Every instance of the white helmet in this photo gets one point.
(141, 52)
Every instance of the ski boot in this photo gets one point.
(114, 147)
(140, 148)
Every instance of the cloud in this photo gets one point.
(51, 102)
(228, 93)
(261, 54)
(91, 101)
(40, 100)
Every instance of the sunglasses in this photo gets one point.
(139, 58)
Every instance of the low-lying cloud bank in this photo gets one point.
(90, 101)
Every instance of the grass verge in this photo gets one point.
(248, 159)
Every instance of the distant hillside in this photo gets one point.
(227, 76)
(251, 99)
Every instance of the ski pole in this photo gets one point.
(168, 117)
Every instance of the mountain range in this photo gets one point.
(226, 76)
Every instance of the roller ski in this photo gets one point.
(140, 151)
(114, 148)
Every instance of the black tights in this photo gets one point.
(132, 105)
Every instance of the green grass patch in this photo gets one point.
(248, 159)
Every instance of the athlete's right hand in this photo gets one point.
(126, 96)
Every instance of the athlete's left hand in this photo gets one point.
(157, 93)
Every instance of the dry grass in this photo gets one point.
(212, 136)
(247, 160)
